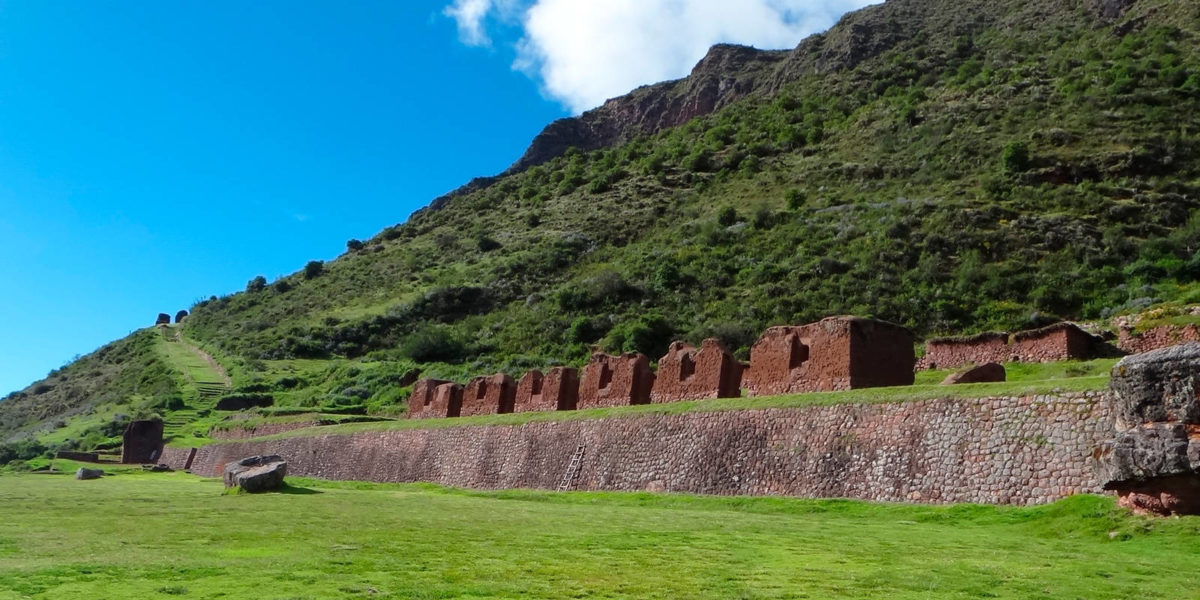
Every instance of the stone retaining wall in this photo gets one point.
(1155, 338)
(1001, 450)
(264, 429)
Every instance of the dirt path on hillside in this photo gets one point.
(212, 362)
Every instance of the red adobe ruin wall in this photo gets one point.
(420, 402)
(490, 395)
(1155, 338)
(999, 450)
(837, 353)
(615, 381)
(558, 389)
(447, 400)
(881, 353)
(949, 353)
(1061, 341)
(142, 442)
(689, 374)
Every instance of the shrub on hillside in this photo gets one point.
(486, 244)
(23, 450)
(728, 216)
(257, 284)
(314, 269)
(650, 334)
(433, 344)
(1015, 157)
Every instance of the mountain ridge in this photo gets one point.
(949, 166)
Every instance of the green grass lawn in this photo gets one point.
(175, 536)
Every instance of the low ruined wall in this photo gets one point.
(1003, 450)
(981, 349)
(1156, 338)
(265, 429)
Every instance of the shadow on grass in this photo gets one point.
(300, 491)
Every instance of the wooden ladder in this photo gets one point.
(572, 470)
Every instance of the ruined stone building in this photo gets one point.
(837, 353)
(142, 442)
(686, 373)
(1060, 341)
(616, 381)
(490, 395)
(558, 389)
(434, 398)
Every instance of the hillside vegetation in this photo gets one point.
(951, 166)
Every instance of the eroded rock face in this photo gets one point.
(1111, 9)
(256, 473)
(1153, 461)
(982, 374)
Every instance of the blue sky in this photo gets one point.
(156, 153)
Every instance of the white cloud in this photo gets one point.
(586, 51)
(469, 14)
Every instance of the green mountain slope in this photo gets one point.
(952, 166)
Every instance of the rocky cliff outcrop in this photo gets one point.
(726, 74)
(731, 72)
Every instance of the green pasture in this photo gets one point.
(144, 536)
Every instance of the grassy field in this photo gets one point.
(175, 536)
(1024, 379)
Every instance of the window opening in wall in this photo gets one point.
(799, 354)
(536, 388)
(605, 375)
(482, 391)
(687, 368)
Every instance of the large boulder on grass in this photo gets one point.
(85, 473)
(256, 473)
(988, 373)
(1153, 460)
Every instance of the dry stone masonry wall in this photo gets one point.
(1156, 337)
(1003, 450)
(1061, 341)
